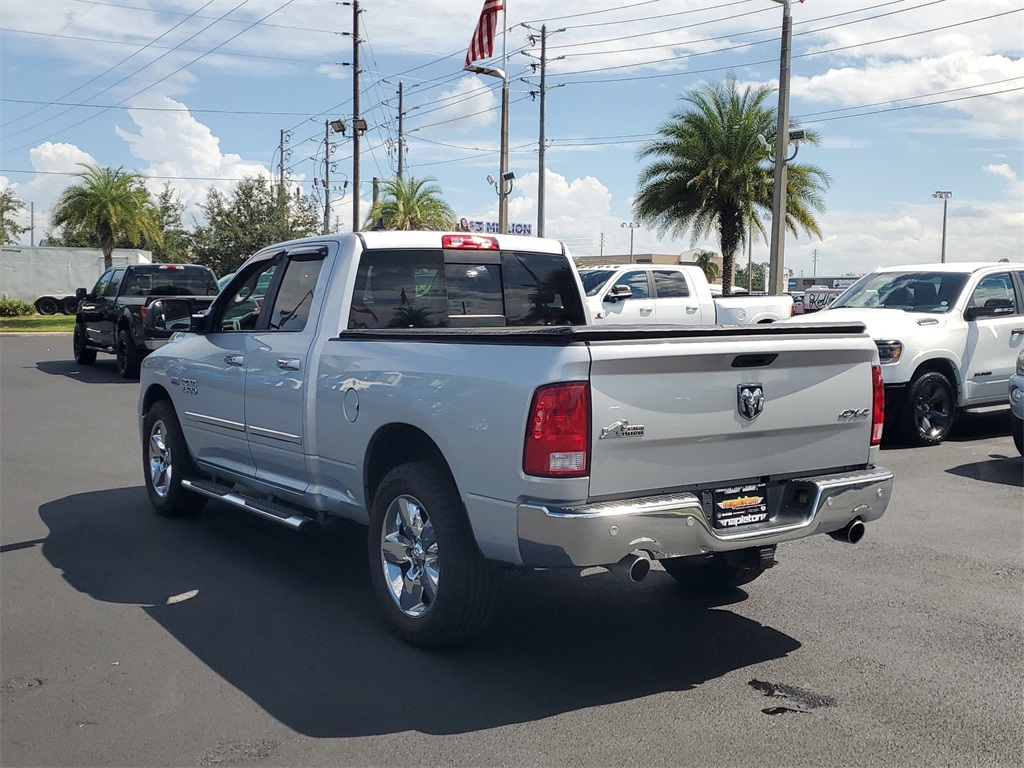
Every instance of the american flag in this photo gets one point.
(482, 44)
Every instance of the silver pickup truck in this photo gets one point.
(447, 391)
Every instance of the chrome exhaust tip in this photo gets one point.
(852, 533)
(633, 568)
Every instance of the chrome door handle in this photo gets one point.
(691, 310)
(234, 360)
(289, 363)
(646, 310)
(1017, 331)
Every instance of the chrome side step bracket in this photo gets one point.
(268, 510)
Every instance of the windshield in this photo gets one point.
(935, 292)
(594, 279)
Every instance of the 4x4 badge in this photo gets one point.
(749, 400)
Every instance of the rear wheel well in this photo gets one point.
(393, 445)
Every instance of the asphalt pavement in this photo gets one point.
(127, 639)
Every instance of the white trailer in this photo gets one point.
(47, 277)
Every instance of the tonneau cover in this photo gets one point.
(575, 334)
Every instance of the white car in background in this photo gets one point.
(948, 336)
(1017, 403)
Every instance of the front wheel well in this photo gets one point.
(939, 365)
(153, 395)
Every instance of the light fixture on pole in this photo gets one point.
(631, 225)
(944, 196)
(504, 189)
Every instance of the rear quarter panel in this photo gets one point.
(471, 399)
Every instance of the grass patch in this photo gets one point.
(37, 324)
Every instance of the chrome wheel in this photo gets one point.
(408, 555)
(160, 464)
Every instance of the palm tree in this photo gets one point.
(708, 173)
(411, 204)
(107, 206)
(706, 261)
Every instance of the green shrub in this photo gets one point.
(15, 308)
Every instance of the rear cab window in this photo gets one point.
(170, 280)
(463, 289)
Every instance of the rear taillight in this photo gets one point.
(558, 431)
(143, 312)
(878, 404)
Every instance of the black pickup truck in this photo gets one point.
(111, 316)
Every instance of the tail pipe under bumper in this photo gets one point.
(852, 533)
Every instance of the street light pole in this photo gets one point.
(630, 226)
(944, 196)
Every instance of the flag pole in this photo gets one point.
(502, 182)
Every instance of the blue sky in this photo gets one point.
(909, 97)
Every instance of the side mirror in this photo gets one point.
(618, 293)
(992, 308)
(81, 293)
(172, 315)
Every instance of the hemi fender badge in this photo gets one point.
(622, 428)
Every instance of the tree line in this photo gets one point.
(706, 175)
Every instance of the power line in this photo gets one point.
(171, 74)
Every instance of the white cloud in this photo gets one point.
(175, 146)
(471, 104)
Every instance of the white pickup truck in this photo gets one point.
(447, 391)
(672, 294)
(948, 336)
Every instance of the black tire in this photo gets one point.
(1017, 429)
(83, 354)
(717, 573)
(129, 360)
(440, 610)
(927, 412)
(166, 461)
(47, 306)
(69, 306)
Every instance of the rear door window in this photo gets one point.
(295, 296)
(670, 284)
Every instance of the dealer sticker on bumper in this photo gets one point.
(741, 505)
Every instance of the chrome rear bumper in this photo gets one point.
(678, 525)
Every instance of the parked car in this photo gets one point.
(672, 294)
(111, 315)
(1017, 403)
(948, 336)
(446, 390)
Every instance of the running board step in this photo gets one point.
(260, 507)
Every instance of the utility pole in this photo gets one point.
(602, 245)
(355, 115)
(778, 245)
(542, 92)
(814, 263)
(280, 164)
(543, 99)
(401, 131)
(327, 176)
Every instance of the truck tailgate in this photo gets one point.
(679, 399)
